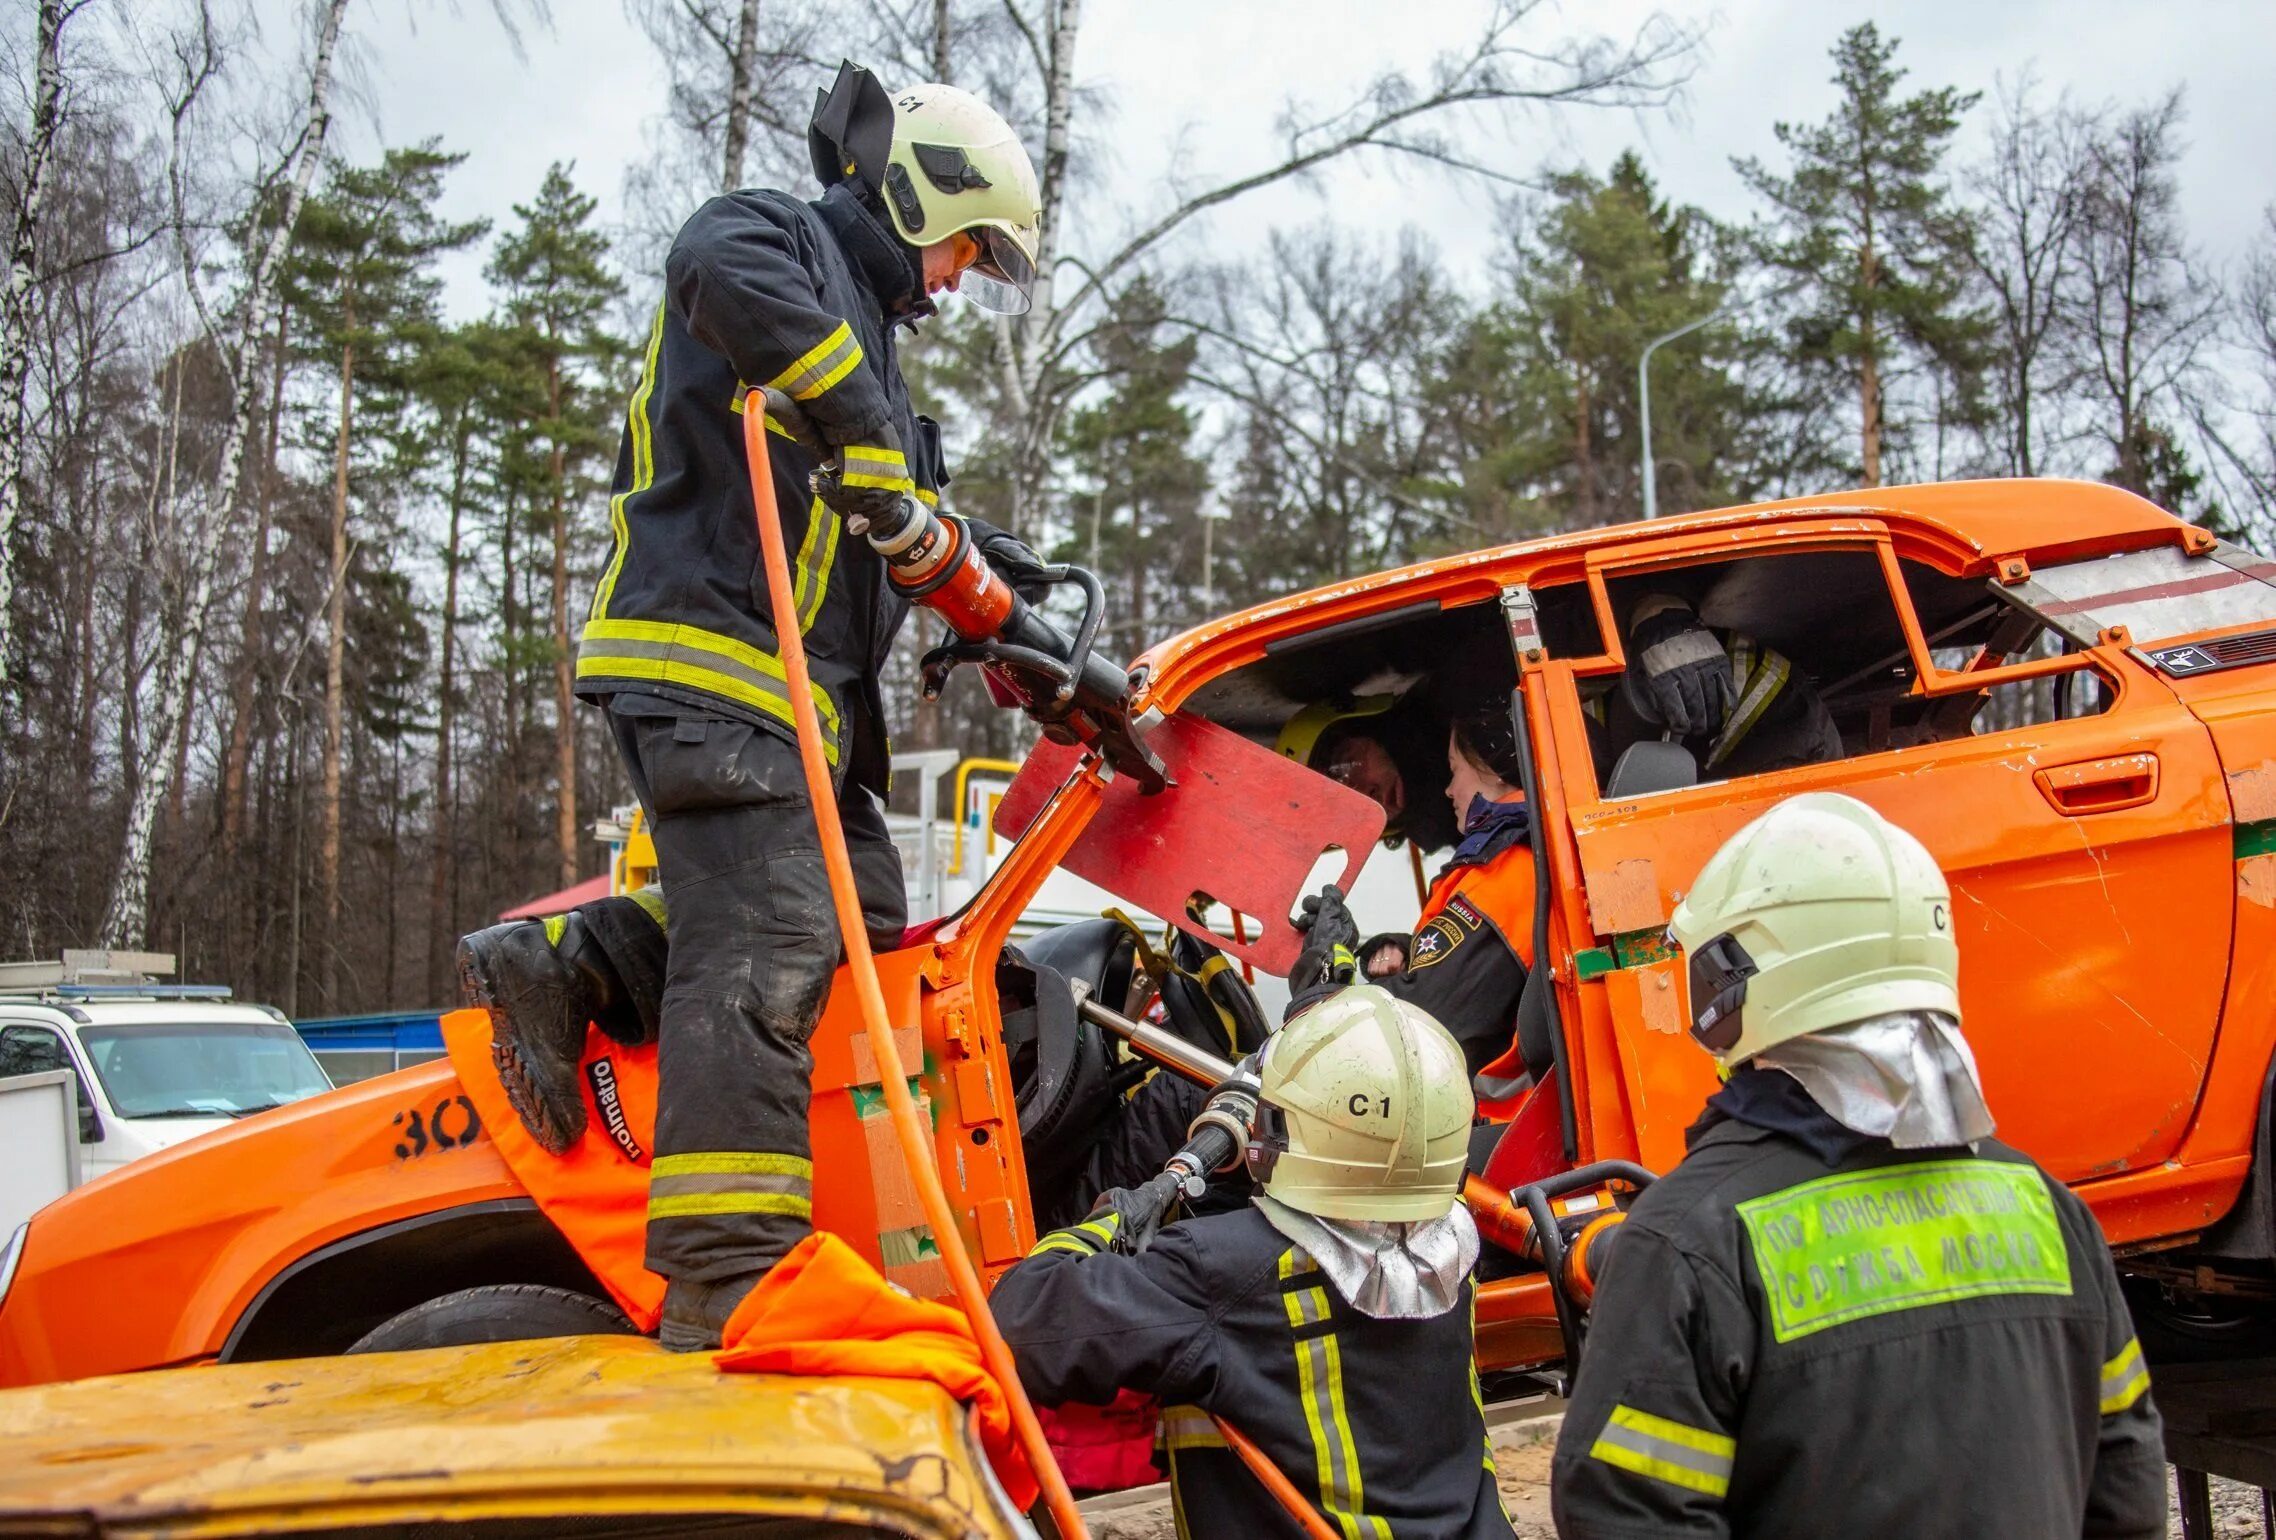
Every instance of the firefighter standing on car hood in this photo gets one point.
(923, 191)
(1329, 1321)
(1849, 1310)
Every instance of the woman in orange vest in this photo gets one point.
(1465, 961)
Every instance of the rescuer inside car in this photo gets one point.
(923, 192)
(1849, 1310)
(1328, 1320)
(1740, 706)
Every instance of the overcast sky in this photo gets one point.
(1195, 85)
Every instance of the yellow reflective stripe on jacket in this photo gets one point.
(730, 1182)
(651, 901)
(928, 497)
(1696, 1459)
(810, 583)
(826, 363)
(1090, 1237)
(1189, 1427)
(1760, 673)
(642, 434)
(1319, 1378)
(2124, 1379)
(869, 465)
(1478, 1397)
(696, 659)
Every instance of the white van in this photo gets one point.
(155, 1063)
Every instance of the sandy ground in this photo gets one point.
(1521, 1452)
(2236, 1510)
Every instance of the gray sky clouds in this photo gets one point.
(1194, 87)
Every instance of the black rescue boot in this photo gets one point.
(539, 1006)
(695, 1314)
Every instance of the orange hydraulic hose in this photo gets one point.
(916, 1149)
(1260, 1466)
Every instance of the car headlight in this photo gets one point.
(10, 1256)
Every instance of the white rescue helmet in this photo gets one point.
(945, 163)
(1365, 1111)
(1819, 913)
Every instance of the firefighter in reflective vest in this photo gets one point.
(1465, 961)
(1329, 1321)
(925, 191)
(1741, 707)
(1850, 1310)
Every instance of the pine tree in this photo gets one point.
(1141, 524)
(1540, 388)
(362, 278)
(557, 286)
(1864, 228)
(466, 381)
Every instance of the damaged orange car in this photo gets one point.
(2067, 694)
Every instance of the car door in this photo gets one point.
(2089, 860)
(30, 1048)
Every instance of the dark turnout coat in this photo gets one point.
(1377, 1422)
(1898, 1343)
(762, 289)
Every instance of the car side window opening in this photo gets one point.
(1847, 685)
(27, 1050)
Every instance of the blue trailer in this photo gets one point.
(355, 1048)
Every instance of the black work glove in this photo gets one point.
(1678, 676)
(846, 482)
(1122, 1221)
(1327, 962)
(1013, 560)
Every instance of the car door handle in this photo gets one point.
(2100, 785)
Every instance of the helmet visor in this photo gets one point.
(1003, 278)
(1719, 971)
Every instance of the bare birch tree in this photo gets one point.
(1504, 67)
(2030, 196)
(239, 337)
(49, 106)
(2143, 311)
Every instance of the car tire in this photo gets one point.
(498, 1312)
(2194, 1329)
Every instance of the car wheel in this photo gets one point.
(498, 1312)
(2198, 1328)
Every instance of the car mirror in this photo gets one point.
(90, 1123)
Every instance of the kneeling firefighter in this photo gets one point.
(1329, 1321)
(1849, 1310)
(925, 191)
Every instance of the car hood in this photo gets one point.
(519, 1431)
(165, 1133)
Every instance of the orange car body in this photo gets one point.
(2113, 881)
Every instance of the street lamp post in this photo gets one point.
(1644, 397)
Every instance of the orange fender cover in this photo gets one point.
(597, 1193)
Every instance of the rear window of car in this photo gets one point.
(2157, 595)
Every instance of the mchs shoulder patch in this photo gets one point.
(1435, 942)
